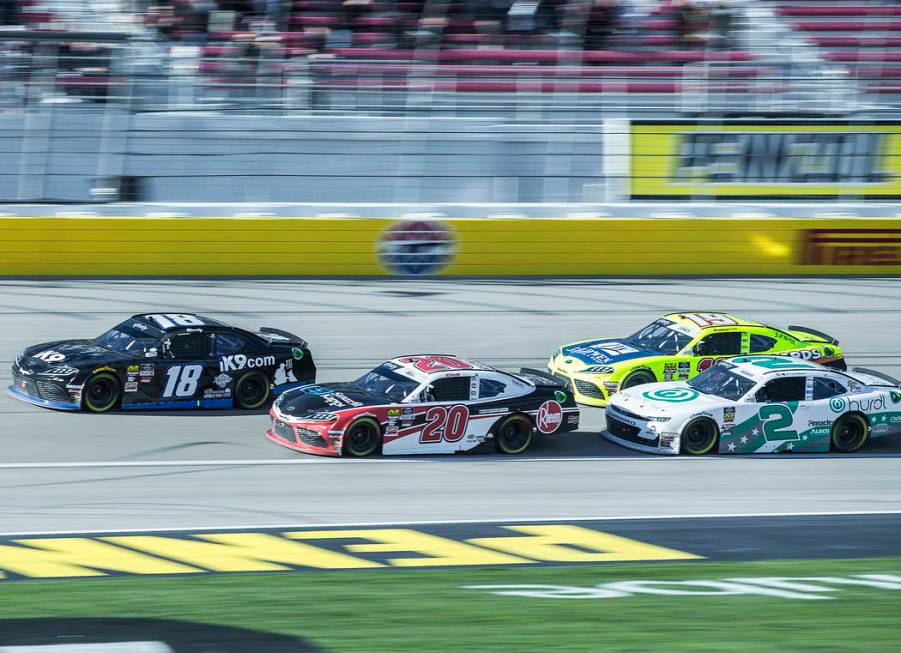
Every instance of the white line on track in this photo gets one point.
(507, 520)
(672, 460)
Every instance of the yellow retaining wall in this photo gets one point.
(136, 246)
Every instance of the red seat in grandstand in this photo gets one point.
(547, 56)
(851, 11)
(847, 25)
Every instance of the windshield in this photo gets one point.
(720, 381)
(388, 383)
(660, 336)
(130, 337)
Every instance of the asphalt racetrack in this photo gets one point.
(169, 470)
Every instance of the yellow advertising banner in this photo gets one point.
(284, 247)
(765, 159)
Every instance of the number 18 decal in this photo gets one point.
(447, 423)
(181, 380)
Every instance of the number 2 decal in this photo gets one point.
(181, 380)
(448, 424)
(777, 429)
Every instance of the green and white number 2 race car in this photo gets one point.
(758, 404)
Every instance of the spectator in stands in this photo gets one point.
(602, 20)
(721, 25)
(9, 12)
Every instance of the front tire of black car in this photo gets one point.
(362, 438)
(101, 393)
(638, 378)
(252, 390)
(514, 435)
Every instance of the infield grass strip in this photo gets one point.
(431, 610)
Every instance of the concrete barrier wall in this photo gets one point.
(57, 154)
(91, 246)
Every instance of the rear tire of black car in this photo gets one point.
(101, 393)
(514, 435)
(700, 436)
(849, 433)
(252, 390)
(638, 378)
(362, 438)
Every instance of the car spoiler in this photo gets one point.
(879, 375)
(814, 332)
(290, 337)
(545, 378)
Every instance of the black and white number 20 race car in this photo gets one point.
(425, 404)
(163, 361)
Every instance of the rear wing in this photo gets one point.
(277, 335)
(541, 378)
(819, 334)
(879, 375)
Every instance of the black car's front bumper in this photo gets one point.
(48, 393)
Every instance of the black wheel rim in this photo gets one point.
(850, 434)
(363, 439)
(252, 391)
(514, 436)
(101, 393)
(698, 436)
(634, 381)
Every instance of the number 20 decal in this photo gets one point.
(448, 424)
(434, 363)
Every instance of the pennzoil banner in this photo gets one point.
(765, 159)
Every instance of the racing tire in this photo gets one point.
(101, 393)
(699, 437)
(362, 438)
(849, 433)
(251, 390)
(637, 378)
(514, 435)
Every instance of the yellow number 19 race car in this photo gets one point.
(677, 347)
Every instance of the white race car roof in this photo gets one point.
(754, 367)
(422, 366)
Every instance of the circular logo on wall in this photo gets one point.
(417, 247)
(550, 417)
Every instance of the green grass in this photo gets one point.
(427, 611)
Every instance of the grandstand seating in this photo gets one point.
(856, 35)
(403, 45)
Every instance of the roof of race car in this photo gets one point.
(695, 321)
(172, 321)
(757, 367)
(422, 365)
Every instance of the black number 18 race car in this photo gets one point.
(170, 360)
(427, 404)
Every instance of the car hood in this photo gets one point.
(325, 397)
(666, 399)
(608, 351)
(70, 353)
